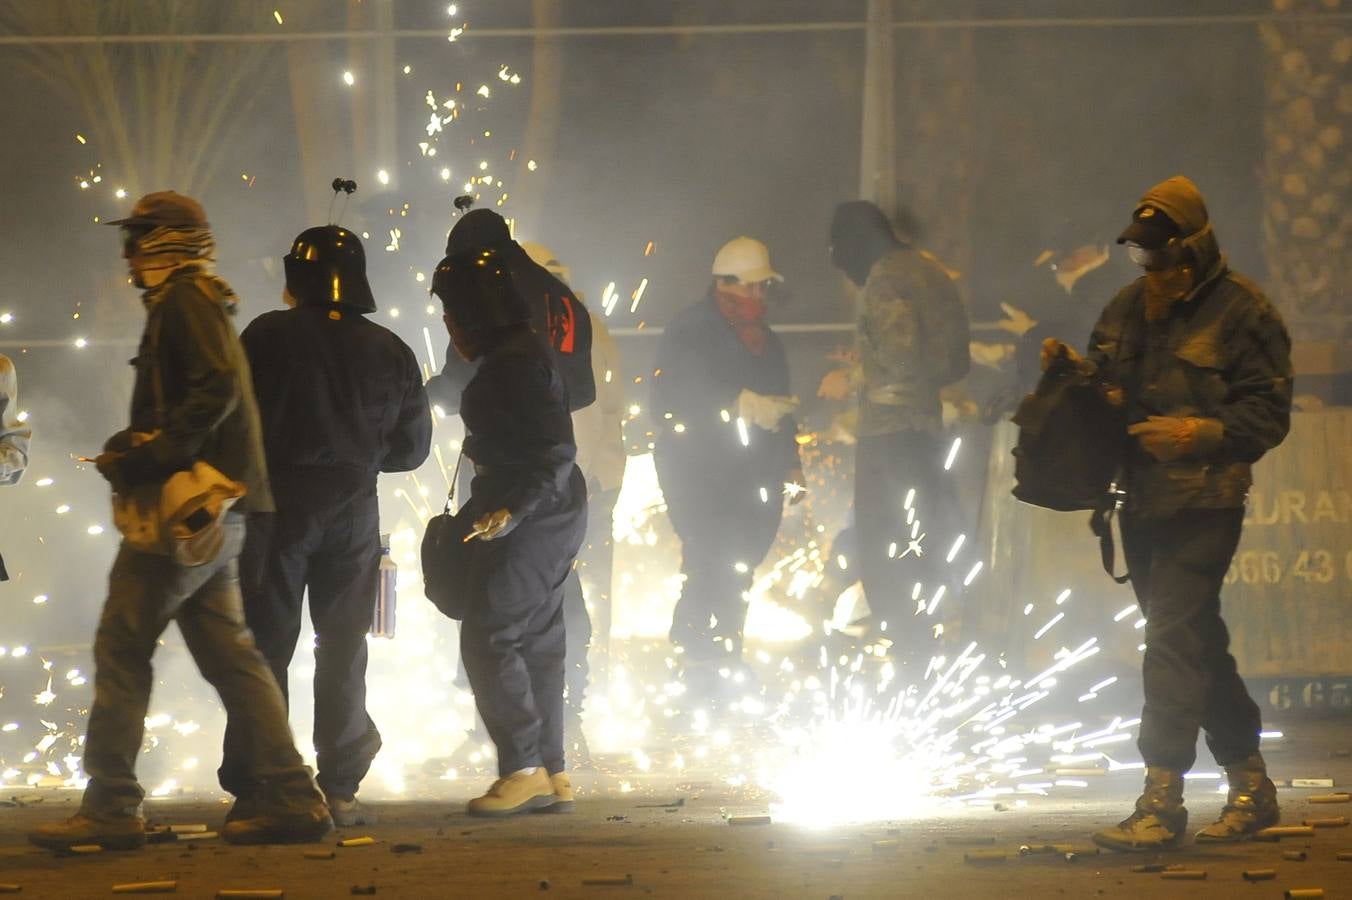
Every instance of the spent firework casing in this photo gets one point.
(1304, 894)
(1294, 855)
(146, 887)
(1327, 822)
(1259, 874)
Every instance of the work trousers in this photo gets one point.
(887, 468)
(512, 640)
(145, 592)
(725, 530)
(1177, 567)
(325, 536)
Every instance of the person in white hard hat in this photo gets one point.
(598, 430)
(725, 451)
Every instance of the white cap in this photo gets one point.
(543, 256)
(745, 259)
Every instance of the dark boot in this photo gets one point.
(1159, 821)
(1250, 807)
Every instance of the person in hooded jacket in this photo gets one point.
(912, 339)
(555, 313)
(725, 451)
(528, 506)
(341, 400)
(14, 434)
(1204, 366)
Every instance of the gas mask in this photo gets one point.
(1169, 275)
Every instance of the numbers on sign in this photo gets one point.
(1314, 565)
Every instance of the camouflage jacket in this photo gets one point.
(1221, 355)
(912, 339)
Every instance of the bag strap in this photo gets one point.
(455, 479)
(1101, 523)
(1101, 520)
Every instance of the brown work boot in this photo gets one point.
(1250, 807)
(279, 826)
(1159, 821)
(517, 793)
(118, 833)
(563, 794)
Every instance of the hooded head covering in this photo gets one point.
(860, 236)
(1180, 200)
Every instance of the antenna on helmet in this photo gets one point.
(346, 186)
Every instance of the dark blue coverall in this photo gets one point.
(341, 400)
(519, 435)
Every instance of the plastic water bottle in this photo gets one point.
(382, 623)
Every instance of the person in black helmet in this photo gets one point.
(555, 313)
(528, 503)
(341, 400)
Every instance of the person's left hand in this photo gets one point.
(492, 525)
(1166, 438)
(109, 465)
(795, 486)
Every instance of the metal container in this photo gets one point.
(382, 623)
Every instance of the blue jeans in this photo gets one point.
(145, 592)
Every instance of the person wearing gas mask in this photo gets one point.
(911, 340)
(341, 400)
(1203, 362)
(599, 431)
(193, 401)
(725, 452)
(528, 506)
(14, 434)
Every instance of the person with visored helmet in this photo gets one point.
(528, 506)
(341, 400)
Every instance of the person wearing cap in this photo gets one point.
(523, 523)
(14, 434)
(192, 401)
(725, 451)
(341, 400)
(1204, 366)
(911, 339)
(599, 431)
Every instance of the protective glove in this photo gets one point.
(488, 527)
(795, 486)
(836, 384)
(1168, 438)
(764, 411)
(1056, 354)
(109, 465)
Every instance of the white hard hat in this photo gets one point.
(543, 256)
(745, 259)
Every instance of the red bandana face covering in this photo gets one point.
(746, 315)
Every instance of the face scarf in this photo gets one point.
(746, 315)
(1164, 288)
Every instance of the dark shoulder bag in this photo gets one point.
(1071, 449)
(446, 557)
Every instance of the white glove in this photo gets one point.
(764, 410)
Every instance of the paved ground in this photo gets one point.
(673, 840)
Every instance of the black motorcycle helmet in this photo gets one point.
(327, 267)
(476, 290)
